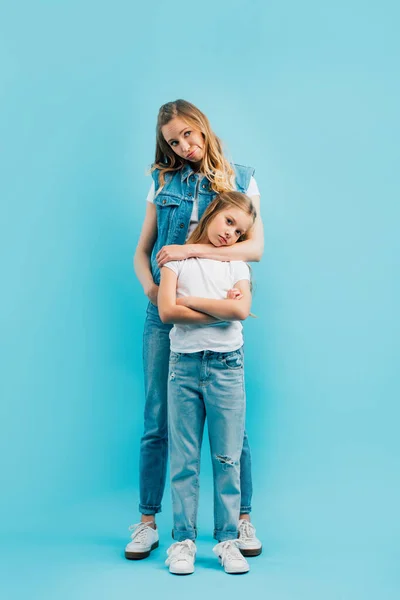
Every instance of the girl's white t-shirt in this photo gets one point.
(252, 190)
(207, 278)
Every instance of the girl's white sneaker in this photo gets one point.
(231, 558)
(181, 556)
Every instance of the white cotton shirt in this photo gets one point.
(207, 278)
(252, 190)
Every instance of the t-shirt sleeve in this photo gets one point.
(240, 271)
(253, 190)
(152, 193)
(175, 266)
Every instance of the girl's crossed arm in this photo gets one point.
(225, 310)
(169, 310)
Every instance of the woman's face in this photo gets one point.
(185, 141)
(227, 226)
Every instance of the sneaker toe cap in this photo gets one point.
(181, 567)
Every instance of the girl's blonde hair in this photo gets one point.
(222, 202)
(214, 165)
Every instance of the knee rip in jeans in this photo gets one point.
(225, 460)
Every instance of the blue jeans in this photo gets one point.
(206, 384)
(154, 442)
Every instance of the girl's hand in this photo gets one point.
(183, 301)
(172, 252)
(234, 294)
(152, 294)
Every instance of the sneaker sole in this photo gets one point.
(180, 573)
(140, 555)
(251, 551)
(237, 572)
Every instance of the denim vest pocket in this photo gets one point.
(167, 206)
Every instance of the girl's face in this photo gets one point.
(185, 141)
(227, 226)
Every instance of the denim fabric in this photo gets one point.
(154, 443)
(206, 384)
(174, 204)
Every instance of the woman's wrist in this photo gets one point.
(197, 250)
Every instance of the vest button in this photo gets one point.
(204, 186)
(190, 195)
(182, 225)
(164, 201)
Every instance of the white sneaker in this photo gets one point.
(230, 557)
(181, 557)
(144, 540)
(249, 545)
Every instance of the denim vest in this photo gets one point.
(174, 205)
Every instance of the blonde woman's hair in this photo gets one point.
(214, 165)
(222, 202)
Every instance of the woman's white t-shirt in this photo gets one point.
(252, 190)
(207, 278)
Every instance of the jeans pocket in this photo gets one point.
(174, 357)
(234, 360)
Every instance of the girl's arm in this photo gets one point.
(250, 250)
(168, 309)
(226, 310)
(141, 259)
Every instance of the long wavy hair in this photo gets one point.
(214, 165)
(222, 202)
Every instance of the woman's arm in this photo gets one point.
(141, 259)
(168, 309)
(226, 310)
(250, 250)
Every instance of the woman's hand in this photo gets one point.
(234, 294)
(152, 293)
(172, 252)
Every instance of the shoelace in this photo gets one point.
(179, 548)
(246, 530)
(139, 532)
(229, 550)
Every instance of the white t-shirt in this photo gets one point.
(206, 278)
(252, 190)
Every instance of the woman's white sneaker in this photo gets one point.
(181, 556)
(249, 545)
(231, 557)
(144, 540)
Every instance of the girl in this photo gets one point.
(206, 378)
(189, 170)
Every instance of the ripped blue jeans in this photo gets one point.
(206, 384)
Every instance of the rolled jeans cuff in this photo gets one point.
(181, 536)
(245, 510)
(223, 536)
(145, 509)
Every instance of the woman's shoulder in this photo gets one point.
(168, 177)
(240, 167)
(243, 175)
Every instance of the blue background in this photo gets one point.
(307, 93)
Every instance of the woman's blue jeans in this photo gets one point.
(154, 442)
